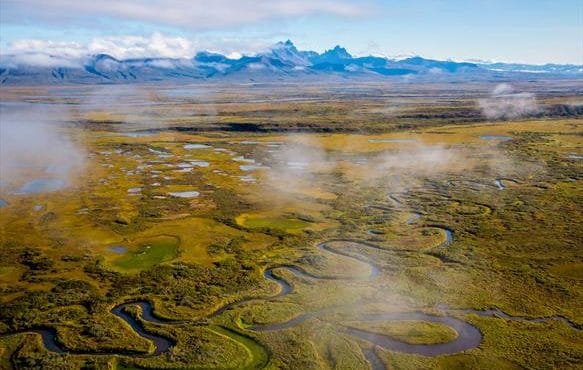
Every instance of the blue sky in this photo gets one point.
(536, 31)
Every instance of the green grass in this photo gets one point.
(258, 355)
(150, 252)
(518, 249)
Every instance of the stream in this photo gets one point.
(468, 337)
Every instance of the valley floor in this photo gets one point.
(406, 243)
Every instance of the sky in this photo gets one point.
(534, 31)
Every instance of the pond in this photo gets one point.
(41, 186)
(184, 194)
(118, 249)
(496, 137)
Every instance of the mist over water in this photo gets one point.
(35, 148)
(120, 104)
(402, 168)
(297, 162)
(302, 157)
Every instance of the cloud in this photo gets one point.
(37, 59)
(302, 159)
(157, 45)
(43, 53)
(64, 49)
(406, 167)
(296, 163)
(34, 144)
(72, 54)
(505, 103)
(121, 47)
(188, 14)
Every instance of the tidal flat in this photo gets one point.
(204, 228)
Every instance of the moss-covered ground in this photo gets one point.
(176, 218)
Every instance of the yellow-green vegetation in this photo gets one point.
(557, 346)
(292, 225)
(193, 212)
(149, 252)
(570, 270)
(414, 332)
(259, 313)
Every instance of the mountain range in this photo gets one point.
(283, 61)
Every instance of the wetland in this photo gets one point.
(316, 233)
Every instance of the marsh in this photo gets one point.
(227, 248)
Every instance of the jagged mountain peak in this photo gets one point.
(337, 55)
(103, 57)
(339, 52)
(287, 53)
(288, 44)
(282, 59)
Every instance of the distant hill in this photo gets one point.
(282, 61)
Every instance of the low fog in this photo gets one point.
(397, 168)
(505, 103)
(34, 145)
(147, 108)
(297, 163)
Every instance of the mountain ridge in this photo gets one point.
(282, 61)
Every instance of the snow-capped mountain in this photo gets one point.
(283, 60)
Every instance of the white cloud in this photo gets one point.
(121, 47)
(43, 53)
(33, 141)
(71, 54)
(505, 103)
(63, 49)
(157, 45)
(37, 59)
(190, 14)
